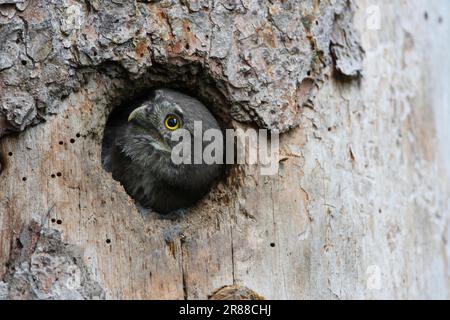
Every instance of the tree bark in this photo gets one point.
(359, 207)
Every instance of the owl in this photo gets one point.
(138, 144)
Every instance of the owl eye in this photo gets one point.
(172, 122)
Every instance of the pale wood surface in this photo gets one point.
(363, 182)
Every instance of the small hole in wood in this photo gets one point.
(24, 62)
(272, 245)
(53, 175)
(53, 220)
(10, 154)
(187, 46)
(61, 143)
(59, 221)
(19, 243)
(108, 241)
(24, 179)
(78, 135)
(59, 174)
(72, 140)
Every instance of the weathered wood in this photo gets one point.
(362, 187)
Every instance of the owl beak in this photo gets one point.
(156, 142)
(161, 146)
(135, 113)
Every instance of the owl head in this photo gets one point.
(148, 137)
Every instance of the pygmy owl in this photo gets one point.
(137, 150)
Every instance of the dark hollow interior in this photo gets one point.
(188, 80)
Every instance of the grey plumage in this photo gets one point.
(138, 152)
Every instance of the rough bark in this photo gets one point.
(364, 162)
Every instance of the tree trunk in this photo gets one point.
(359, 207)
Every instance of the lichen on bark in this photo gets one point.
(266, 58)
(43, 267)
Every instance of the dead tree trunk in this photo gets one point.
(359, 207)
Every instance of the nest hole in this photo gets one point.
(189, 80)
